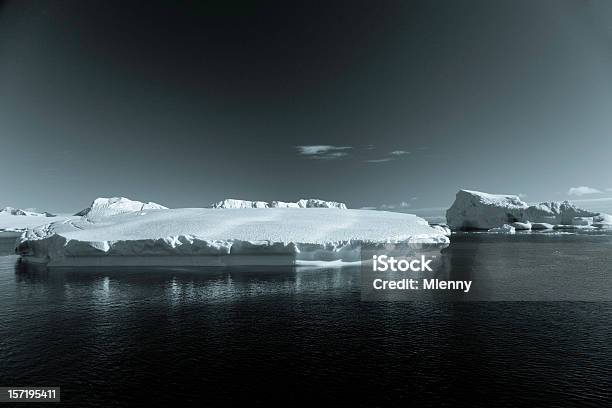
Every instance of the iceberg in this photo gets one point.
(443, 228)
(504, 229)
(602, 221)
(27, 213)
(105, 207)
(473, 210)
(302, 203)
(476, 210)
(206, 236)
(18, 220)
(234, 203)
(522, 226)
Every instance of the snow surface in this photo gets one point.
(191, 235)
(477, 210)
(302, 203)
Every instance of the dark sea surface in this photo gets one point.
(223, 337)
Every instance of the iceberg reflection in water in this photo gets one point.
(290, 331)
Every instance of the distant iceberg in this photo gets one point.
(18, 220)
(478, 210)
(504, 229)
(200, 236)
(26, 213)
(303, 203)
(105, 207)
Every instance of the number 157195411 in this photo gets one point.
(25, 394)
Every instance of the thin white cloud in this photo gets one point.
(329, 156)
(326, 152)
(609, 189)
(330, 152)
(386, 159)
(393, 155)
(403, 204)
(592, 200)
(582, 190)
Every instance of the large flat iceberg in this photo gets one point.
(200, 236)
(477, 210)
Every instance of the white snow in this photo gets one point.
(302, 203)
(477, 210)
(210, 236)
(105, 207)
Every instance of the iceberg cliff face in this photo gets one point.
(477, 210)
(105, 207)
(303, 203)
(196, 236)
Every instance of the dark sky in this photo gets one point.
(185, 103)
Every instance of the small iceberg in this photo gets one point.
(504, 229)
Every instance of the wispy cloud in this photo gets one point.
(393, 155)
(326, 152)
(592, 200)
(403, 204)
(582, 190)
(385, 159)
(394, 206)
(330, 152)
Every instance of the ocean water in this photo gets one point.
(220, 337)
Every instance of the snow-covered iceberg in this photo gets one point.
(200, 236)
(105, 207)
(303, 203)
(477, 210)
(18, 220)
